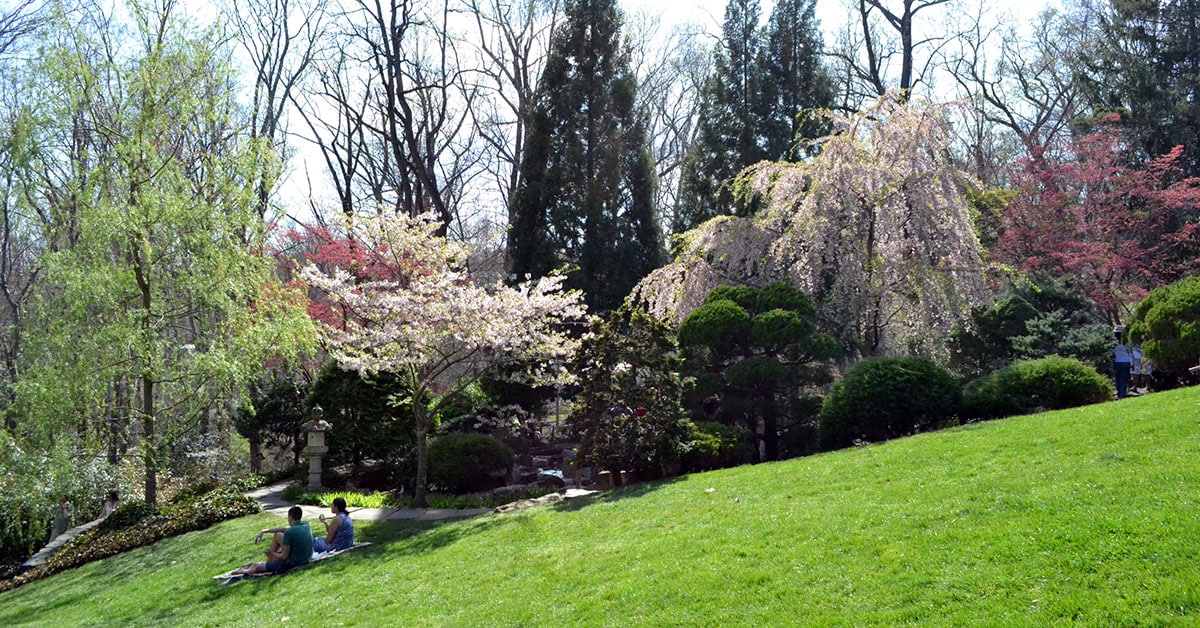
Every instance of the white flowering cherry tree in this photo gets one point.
(405, 304)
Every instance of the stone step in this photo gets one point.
(56, 544)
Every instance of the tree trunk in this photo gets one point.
(770, 424)
(422, 456)
(149, 442)
(256, 456)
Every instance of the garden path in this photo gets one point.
(58, 541)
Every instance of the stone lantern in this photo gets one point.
(317, 448)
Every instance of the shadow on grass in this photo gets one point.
(391, 538)
(45, 611)
(628, 492)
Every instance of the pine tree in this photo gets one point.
(793, 79)
(1147, 66)
(586, 193)
(727, 137)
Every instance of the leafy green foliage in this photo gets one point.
(31, 481)
(629, 416)
(1166, 321)
(726, 138)
(1145, 64)
(745, 296)
(585, 196)
(194, 490)
(465, 463)
(781, 296)
(719, 324)
(366, 425)
(128, 514)
(1035, 385)
(157, 303)
(752, 105)
(794, 80)
(987, 210)
(1039, 318)
(715, 445)
(753, 352)
(138, 524)
(300, 495)
(276, 417)
(884, 398)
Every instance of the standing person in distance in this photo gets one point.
(1122, 364)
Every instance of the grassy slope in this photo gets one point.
(1087, 515)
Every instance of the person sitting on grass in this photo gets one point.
(339, 530)
(290, 547)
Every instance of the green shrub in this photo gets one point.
(1041, 317)
(128, 514)
(249, 482)
(628, 413)
(1046, 384)
(884, 398)
(194, 490)
(366, 424)
(145, 527)
(744, 296)
(465, 463)
(718, 324)
(716, 446)
(1166, 320)
(35, 476)
(299, 495)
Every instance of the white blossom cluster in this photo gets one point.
(427, 316)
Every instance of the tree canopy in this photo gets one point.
(877, 228)
(586, 195)
(418, 316)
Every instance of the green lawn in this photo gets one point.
(1085, 516)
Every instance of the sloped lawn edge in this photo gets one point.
(197, 513)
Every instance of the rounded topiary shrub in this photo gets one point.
(715, 445)
(1167, 321)
(884, 398)
(465, 463)
(1034, 385)
(717, 324)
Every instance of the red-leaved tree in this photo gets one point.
(1117, 230)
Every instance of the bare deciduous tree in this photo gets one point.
(671, 71)
(1028, 88)
(399, 134)
(512, 39)
(282, 39)
(881, 49)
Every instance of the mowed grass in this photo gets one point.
(1088, 516)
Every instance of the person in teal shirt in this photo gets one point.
(290, 547)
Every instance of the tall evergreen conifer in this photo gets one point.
(793, 78)
(727, 138)
(1147, 62)
(586, 193)
(750, 108)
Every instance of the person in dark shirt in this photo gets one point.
(290, 547)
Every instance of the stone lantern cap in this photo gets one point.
(318, 422)
(318, 425)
